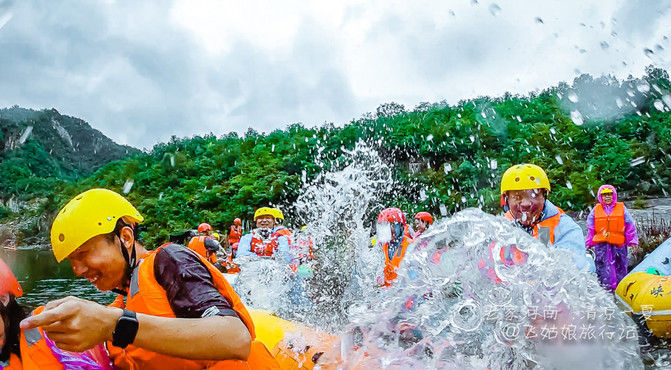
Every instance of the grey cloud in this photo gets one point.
(640, 18)
(158, 84)
(133, 74)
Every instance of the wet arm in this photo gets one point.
(209, 338)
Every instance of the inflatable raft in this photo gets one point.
(296, 346)
(645, 292)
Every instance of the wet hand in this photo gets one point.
(75, 324)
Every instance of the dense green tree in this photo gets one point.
(441, 155)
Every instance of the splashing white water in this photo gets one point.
(334, 207)
(458, 301)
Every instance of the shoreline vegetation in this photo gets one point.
(443, 157)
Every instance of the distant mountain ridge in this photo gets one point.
(46, 145)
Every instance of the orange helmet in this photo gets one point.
(204, 227)
(424, 216)
(8, 282)
(237, 221)
(391, 215)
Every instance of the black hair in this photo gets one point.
(11, 314)
(120, 224)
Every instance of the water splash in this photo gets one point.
(25, 134)
(643, 87)
(576, 117)
(5, 18)
(128, 186)
(573, 97)
(458, 304)
(494, 9)
(334, 207)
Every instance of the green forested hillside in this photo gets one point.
(593, 132)
(40, 149)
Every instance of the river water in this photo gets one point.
(43, 279)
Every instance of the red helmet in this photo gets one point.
(204, 227)
(237, 221)
(424, 216)
(8, 282)
(391, 215)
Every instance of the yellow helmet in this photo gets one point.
(264, 211)
(524, 177)
(267, 211)
(278, 214)
(91, 213)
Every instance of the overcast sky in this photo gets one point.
(141, 71)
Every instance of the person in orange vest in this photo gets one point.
(205, 229)
(205, 244)
(172, 303)
(11, 314)
(234, 236)
(268, 239)
(393, 236)
(422, 222)
(610, 230)
(524, 191)
(31, 349)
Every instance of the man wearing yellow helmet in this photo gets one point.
(170, 292)
(524, 191)
(268, 238)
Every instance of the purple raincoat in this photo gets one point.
(611, 260)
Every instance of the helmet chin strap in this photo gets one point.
(131, 264)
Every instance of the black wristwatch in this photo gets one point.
(125, 330)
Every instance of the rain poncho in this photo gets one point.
(630, 235)
(611, 260)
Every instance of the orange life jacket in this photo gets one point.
(14, 363)
(267, 248)
(609, 228)
(232, 267)
(544, 230)
(37, 355)
(392, 264)
(197, 244)
(282, 232)
(263, 248)
(235, 234)
(147, 296)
